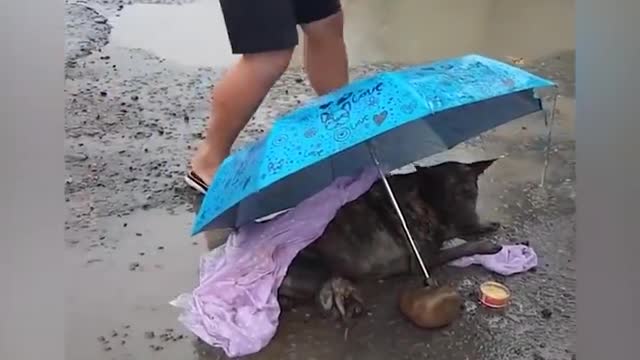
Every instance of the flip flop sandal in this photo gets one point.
(196, 183)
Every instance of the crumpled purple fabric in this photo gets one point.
(512, 259)
(235, 306)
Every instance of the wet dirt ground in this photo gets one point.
(138, 75)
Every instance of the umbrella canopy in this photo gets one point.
(406, 115)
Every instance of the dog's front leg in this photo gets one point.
(483, 247)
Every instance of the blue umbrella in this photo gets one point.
(403, 115)
(392, 119)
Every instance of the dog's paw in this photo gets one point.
(340, 299)
(486, 247)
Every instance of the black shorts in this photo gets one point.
(257, 26)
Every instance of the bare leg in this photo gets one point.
(325, 54)
(234, 100)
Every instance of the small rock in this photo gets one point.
(134, 266)
(76, 157)
(103, 93)
(537, 356)
(546, 313)
(138, 234)
(160, 247)
(135, 98)
(108, 348)
(149, 335)
(102, 339)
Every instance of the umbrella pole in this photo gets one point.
(405, 227)
(549, 124)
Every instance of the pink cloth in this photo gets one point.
(235, 306)
(512, 259)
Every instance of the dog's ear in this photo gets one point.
(479, 167)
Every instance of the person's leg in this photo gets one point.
(264, 32)
(325, 54)
(234, 100)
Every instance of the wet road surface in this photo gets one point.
(137, 101)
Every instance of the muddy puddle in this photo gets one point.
(402, 31)
(119, 285)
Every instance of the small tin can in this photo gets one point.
(494, 295)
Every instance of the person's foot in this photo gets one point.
(203, 167)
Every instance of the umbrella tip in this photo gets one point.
(195, 229)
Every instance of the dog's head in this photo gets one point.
(451, 188)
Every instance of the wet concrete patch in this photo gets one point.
(112, 305)
(86, 30)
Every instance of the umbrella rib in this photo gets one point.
(548, 147)
(405, 227)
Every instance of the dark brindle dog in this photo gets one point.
(365, 240)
